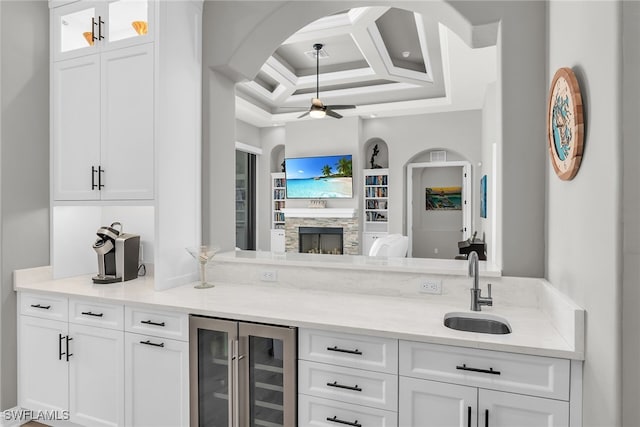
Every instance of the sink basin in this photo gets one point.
(477, 322)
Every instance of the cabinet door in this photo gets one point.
(96, 376)
(499, 409)
(43, 381)
(157, 381)
(128, 22)
(267, 375)
(211, 369)
(368, 239)
(75, 104)
(278, 242)
(127, 123)
(430, 403)
(76, 30)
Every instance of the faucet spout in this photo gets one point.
(477, 300)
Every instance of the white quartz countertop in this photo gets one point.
(535, 331)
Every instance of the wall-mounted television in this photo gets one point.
(323, 177)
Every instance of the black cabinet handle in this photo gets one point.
(100, 22)
(147, 342)
(149, 322)
(348, 423)
(93, 178)
(60, 353)
(100, 172)
(67, 353)
(44, 307)
(89, 313)
(93, 29)
(468, 416)
(346, 387)
(342, 350)
(484, 371)
(486, 418)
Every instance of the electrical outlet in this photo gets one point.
(269, 276)
(430, 286)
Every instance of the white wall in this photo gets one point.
(408, 136)
(247, 133)
(490, 124)
(631, 219)
(310, 138)
(24, 156)
(584, 215)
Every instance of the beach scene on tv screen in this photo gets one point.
(319, 177)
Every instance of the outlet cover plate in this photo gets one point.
(430, 286)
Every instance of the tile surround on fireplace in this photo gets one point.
(350, 229)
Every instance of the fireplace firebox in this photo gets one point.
(320, 240)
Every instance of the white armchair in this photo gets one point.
(392, 245)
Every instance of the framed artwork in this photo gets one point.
(565, 125)
(444, 198)
(483, 196)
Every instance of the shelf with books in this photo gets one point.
(376, 203)
(278, 200)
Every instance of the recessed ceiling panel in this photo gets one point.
(342, 51)
(400, 36)
(329, 88)
(265, 81)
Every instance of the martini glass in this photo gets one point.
(204, 255)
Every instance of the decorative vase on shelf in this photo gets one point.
(204, 255)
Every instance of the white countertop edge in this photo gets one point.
(468, 340)
(358, 262)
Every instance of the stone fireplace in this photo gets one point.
(320, 240)
(319, 218)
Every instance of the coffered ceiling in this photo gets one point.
(387, 61)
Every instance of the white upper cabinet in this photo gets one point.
(87, 27)
(103, 126)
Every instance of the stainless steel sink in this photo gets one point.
(477, 322)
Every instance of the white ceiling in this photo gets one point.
(365, 66)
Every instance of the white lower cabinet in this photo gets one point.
(96, 376)
(157, 381)
(43, 370)
(454, 386)
(427, 403)
(347, 380)
(75, 358)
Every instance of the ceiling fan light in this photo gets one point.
(317, 114)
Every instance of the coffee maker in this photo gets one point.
(118, 254)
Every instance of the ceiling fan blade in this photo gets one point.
(341, 107)
(306, 113)
(333, 114)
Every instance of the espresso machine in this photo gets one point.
(118, 254)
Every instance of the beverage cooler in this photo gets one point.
(242, 374)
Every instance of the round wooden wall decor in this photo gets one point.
(565, 125)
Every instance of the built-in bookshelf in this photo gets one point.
(375, 206)
(278, 195)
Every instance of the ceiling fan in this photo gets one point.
(318, 110)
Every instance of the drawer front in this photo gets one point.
(99, 314)
(355, 351)
(374, 389)
(317, 412)
(517, 373)
(44, 306)
(165, 324)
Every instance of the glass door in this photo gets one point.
(245, 200)
(76, 30)
(211, 343)
(129, 22)
(267, 374)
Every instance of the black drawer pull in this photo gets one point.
(44, 307)
(60, 352)
(342, 350)
(346, 387)
(484, 371)
(348, 423)
(468, 416)
(89, 313)
(147, 342)
(486, 418)
(149, 322)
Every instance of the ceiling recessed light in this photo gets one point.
(406, 54)
(373, 116)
